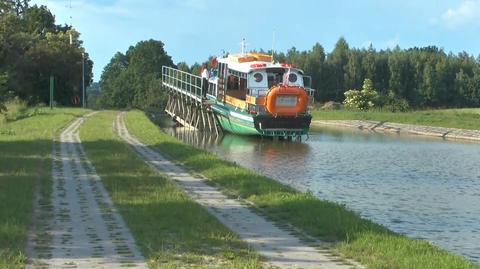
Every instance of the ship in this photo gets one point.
(250, 94)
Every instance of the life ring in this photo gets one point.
(282, 100)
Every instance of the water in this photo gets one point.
(424, 188)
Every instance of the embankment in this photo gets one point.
(402, 128)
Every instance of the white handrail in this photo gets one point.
(183, 82)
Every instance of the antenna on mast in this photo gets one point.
(71, 21)
(243, 46)
(273, 46)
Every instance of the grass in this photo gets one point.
(466, 118)
(171, 230)
(18, 109)
(25, 167)
(354, 237)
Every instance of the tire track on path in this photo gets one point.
(84, 230)
(278, 246)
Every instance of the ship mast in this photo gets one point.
(243, 46)
(71, 21)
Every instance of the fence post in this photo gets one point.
(51, 91)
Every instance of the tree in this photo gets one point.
(3, 91)
(16, 7)
(39, 20)
(183, 66)
(369, 63)
(133, 79)
(32, 48)
(336, 62)
(353, 70)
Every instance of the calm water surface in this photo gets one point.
(424, 188)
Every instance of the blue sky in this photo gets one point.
(194, 29)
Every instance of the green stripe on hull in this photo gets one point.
(240, 122)
(237, 126)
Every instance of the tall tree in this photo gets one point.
(32, 48)
(133, 79)
(336, 62)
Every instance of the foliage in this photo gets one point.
(171, 230)
(422, 77)
(33, 48)
(392, 102)
(357, 238)
(25, 167)
(15, 109)
(466, 118)
(93, 93)
(3, 92)
(363, 99)
(133, 79)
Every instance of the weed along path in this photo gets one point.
(84, 229)
(278, 246)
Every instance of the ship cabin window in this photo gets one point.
(278, 75)
(237, 87)
(257, 82)
(275, 76)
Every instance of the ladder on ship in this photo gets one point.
(186, 100)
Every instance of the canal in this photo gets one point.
(421, 187)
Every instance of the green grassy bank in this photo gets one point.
(467, 118)
(171, 230)
(25, 167)
(363, 240)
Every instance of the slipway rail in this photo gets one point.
(186, 103)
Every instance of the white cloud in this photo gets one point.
(468, 13)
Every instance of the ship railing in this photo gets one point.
(311, 98)
(257, 91)
(262, 91)
(183, 82)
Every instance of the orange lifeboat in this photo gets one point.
(284, 100)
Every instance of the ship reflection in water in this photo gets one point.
(422, 187)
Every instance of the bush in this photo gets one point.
(393, 103)
(15, 109)
(364, 99)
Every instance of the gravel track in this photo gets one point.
(78, 227)
(276, 244)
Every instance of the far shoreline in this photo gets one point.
(402, 129)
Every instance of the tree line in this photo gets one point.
(424, 77)
(33, 48)
(419, 77)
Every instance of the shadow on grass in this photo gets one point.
(354, 237)
(167, 224)
(24, 165)
(324, 219)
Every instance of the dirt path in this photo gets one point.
(278, 246)
(84, 229)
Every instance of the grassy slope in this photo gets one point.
(171, 230)
(361, 239)
(25, 163)
(467, 118)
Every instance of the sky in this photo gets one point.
(192, 30)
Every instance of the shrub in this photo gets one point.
(364, 99)
(393, 103)
(15, 109)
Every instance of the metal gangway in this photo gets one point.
(186, 100)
